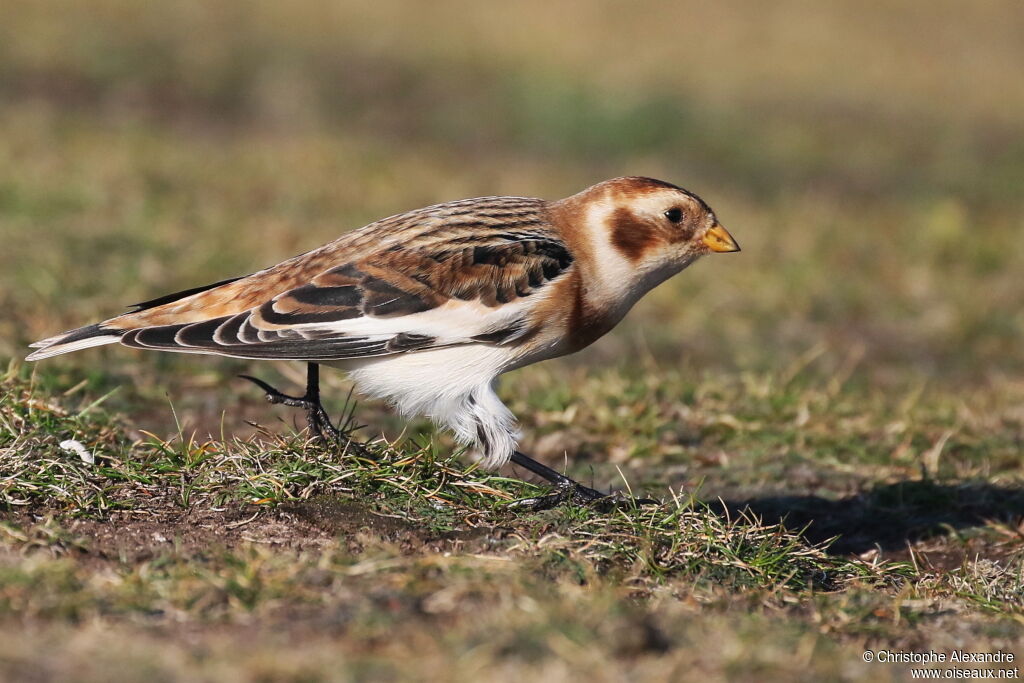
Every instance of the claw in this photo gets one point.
(567, 490)
(580, 495)
(318, 419)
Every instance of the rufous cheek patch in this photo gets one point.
(631, 235)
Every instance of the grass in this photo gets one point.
(230, 535)
(832, 418)
(417, 489)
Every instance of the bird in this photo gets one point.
(428, 308)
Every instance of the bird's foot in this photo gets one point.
(578, 494)
(569, 491)
(319, 421)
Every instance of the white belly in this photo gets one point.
(453, 387)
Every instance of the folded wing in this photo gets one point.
(457, 277)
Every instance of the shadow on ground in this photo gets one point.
(888, 516)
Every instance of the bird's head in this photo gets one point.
(653, 219)
(643, 230)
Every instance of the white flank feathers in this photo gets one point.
(454, 387)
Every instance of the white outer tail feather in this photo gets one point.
(52, 346)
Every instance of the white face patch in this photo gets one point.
(610, 275)
(614, 280)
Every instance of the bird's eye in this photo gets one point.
(674, 215)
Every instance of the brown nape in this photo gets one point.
(632, 186)
(631, 235)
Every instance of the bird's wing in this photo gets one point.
(436, 283)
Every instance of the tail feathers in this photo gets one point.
(74, 340)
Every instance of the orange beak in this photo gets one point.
(719, 240)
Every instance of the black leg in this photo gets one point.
(319, 422)
(567, 489)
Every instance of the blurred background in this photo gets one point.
(870, 163)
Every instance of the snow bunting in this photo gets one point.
(427, 308)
